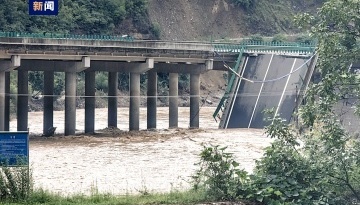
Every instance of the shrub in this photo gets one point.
(245, 4)
(279, 38)
(256, 38)
(101, 81)
(304, 39)
(15, 183)
(219, 174)
(156, 30)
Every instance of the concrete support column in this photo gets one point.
(2, 100)
(151, 100)
(194, 100)
(70, 103)
(112, 100)
(22, 101)
(48, 101)
(173, 99)
(134, 101)
(7, 101)
(89, 102)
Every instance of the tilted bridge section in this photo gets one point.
(265, 76)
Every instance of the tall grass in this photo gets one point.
(15, 183)
(175, 197)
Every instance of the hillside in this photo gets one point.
(224, 19)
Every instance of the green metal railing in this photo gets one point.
(260, 46)
(66, 36)
(223, 100)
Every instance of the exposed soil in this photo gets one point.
(196, 20)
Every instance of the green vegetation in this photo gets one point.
(76, 17)
(317, 161)
(15, 183)
(246, 4)
(43, 197)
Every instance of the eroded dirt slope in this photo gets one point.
(196, 19)
(222, 19)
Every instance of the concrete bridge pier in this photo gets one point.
(194, 100)
(89, 102)
(151, 100)
(173, 100)
(7, 101)
(70, 103)
(112, 99)
(2, 100)
(70, 92)
(5, 67)
(134, 111)
(48, 101)
(22, 101)
(70, 68)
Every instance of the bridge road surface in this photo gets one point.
(251, 99)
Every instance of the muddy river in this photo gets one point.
(121, 162)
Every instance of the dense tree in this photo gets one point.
(82, 16)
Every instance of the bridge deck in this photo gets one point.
(248, 100)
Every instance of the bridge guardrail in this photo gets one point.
(66, 36)
(260, 46)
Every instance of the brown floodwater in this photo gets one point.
(121, 162)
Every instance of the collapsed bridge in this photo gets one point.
(273, 77)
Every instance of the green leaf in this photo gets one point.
(278, 193)
(235, 164)
(260, 198)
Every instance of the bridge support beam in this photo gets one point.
(70, 103)
(194, 100)
(2, 100)
(22, 101)
(48, 101)
(134, 101)
(7, 101)
(173, 100)
(89, 102)
(151, 100)
(112, 99)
